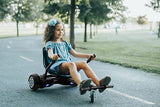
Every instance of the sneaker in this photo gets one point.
(84, 84)
(105, 81)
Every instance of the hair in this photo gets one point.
(49, 32)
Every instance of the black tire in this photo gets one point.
(34, 81)
(92, 96)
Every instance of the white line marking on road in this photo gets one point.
(8, 47)
(27, 59)
(132, 97)
(10, 42)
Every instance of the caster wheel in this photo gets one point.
(34, 81)
(92, 96)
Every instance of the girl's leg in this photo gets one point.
(88, 71)
(70, 68)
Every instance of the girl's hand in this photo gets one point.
(93, 56)
(55, 57)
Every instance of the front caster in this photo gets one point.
(92, 95)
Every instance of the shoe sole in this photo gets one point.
(86, 83)
(106, 82)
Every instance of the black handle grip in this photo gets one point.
(59, 55)
(94, 55)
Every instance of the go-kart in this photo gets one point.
(46, 80)
(40, 81)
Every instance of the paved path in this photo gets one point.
(22, 56)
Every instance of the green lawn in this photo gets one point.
(130, 48)
(10, 30)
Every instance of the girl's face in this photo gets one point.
(58, 32)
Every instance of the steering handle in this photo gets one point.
(94, 55)
(59, 55)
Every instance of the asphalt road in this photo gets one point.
(22, 56)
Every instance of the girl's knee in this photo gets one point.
(71, 65)
(67, 66)
(84, 64)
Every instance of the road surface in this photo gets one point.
(22, 56)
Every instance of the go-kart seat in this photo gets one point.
(45, 55)
(46, 64)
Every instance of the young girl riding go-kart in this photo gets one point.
(45, 80)
(62, 69)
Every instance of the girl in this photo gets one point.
(55, 45)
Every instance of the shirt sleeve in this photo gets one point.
(48, 45)
(69, 46)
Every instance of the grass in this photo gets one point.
(130, 48)
(10, 30)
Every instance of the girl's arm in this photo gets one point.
(80, 55)
(51, 55)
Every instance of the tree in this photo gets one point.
(60, 9)
(37, 14)
(72, 18)
(87, 13)
(63, 9)
(123, 20)
(85, 9)
(96, 11)
(20, 10)
(142, 20)
(4, 9)
(155, 5)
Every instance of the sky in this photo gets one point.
(137, 8)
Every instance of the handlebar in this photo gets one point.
(94, 55)
(59, 55)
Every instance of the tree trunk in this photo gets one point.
(90, 31)
(85, 32)
(96, 29)
(17, 22)
(159, 31)
(37, 28)
(94, 33)
(72, 17)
